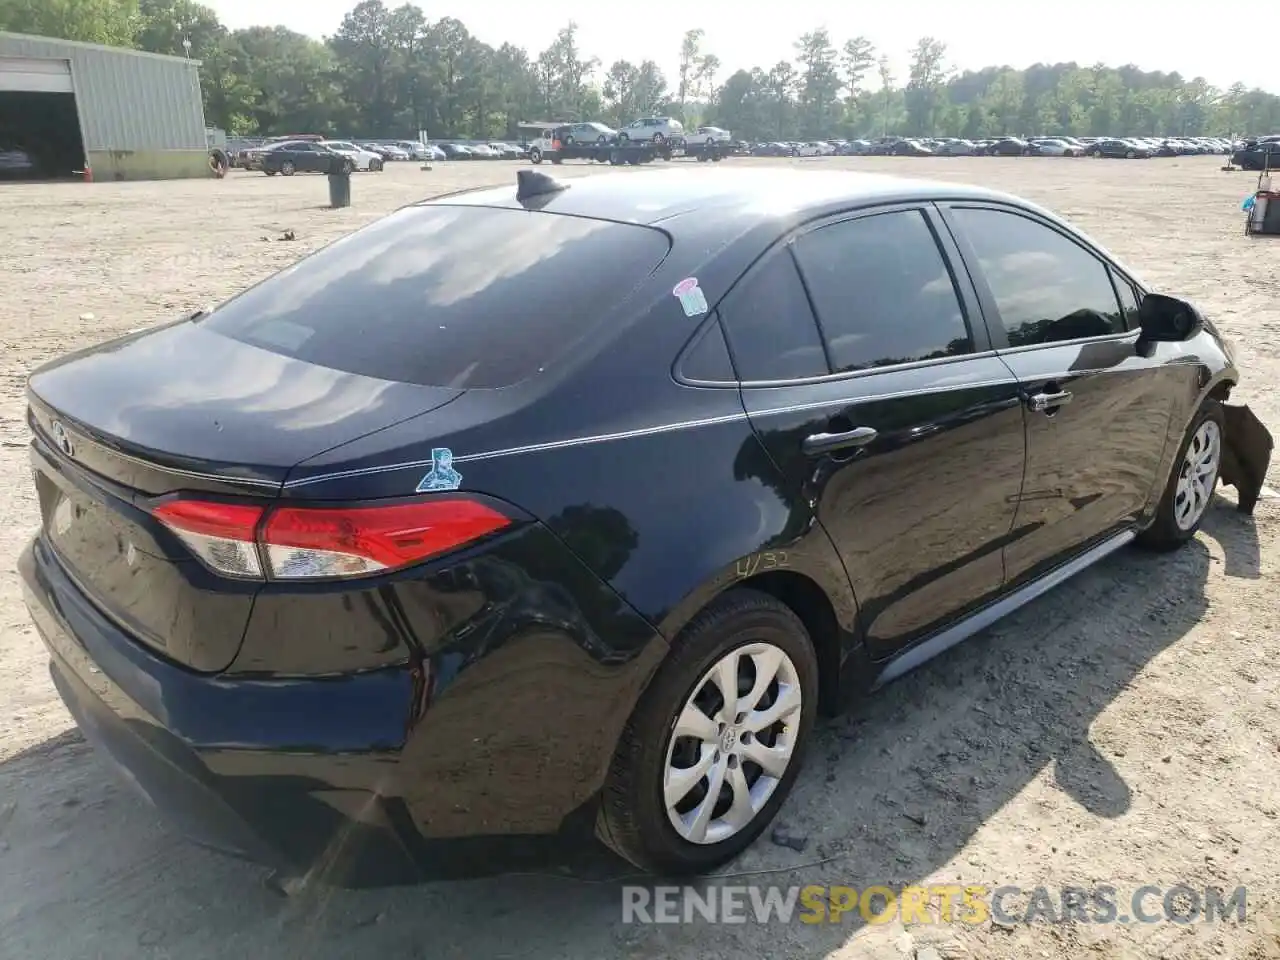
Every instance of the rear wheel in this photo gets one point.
(717, 740)
(287, 168)
(1129, 155)
(1096, 154)
(535, 155)
(1191, 482)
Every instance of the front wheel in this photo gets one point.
(1191, 483)
(535, 155)
(717, 740)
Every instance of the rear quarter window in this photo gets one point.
(456, 296)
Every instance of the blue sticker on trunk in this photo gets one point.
(692, 300)
(442, 475)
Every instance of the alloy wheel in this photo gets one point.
(732, 743)
(1198, 475)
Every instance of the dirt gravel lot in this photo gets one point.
(1123, 730)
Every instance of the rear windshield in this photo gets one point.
(447, 296)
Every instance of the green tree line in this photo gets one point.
(389, 71)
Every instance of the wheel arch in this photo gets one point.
(808, 601)
(827, 609)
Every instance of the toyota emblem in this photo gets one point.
(61, 439)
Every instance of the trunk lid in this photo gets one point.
(182, 408)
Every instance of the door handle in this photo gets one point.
(1042, 402)
(817, 443)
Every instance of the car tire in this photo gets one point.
(287, 168)
(1096, 154)
(737, 632)
(1130, 155)
(269, 173)
(535, 155)
(658, 137)
(1192, 479)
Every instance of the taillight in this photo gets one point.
(220, 534)
(307, 543)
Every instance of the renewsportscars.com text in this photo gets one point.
(971, 905)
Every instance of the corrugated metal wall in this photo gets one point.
(127, 100)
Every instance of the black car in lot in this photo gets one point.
(1009, 147)
(622, 482)
(1258, 154)
(303, 156)
(1119, 150)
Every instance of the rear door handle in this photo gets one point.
(1040, 402)
(818, 443)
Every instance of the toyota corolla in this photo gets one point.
(562, 510)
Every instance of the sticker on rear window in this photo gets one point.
(692, 300)
(442, 475)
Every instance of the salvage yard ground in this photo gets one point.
(1124, 729)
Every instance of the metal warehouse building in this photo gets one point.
(128, 115)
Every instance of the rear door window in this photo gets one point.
(456, 296)
(770, 326)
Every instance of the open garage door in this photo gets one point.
(39, 122)
(30, 75)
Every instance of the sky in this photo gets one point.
(1191, 38)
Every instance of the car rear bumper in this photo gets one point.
(305, 775)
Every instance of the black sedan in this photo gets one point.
(456, 151)
(581, 543)
(1119, 150)
(1257, 154)
(302, 156)
(1009, 147)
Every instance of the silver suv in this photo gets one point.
(652, 128)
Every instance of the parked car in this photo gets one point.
(506, 150)
(481, 151)
(1053, 148)
(957, 148)
(1119, 149)
(16, 161)
(456, 151)
(302, 156)
(473, 616)
(432, 152)
(815, 148)
(1257, 154)
(361, 158)
(388, 152)
(1008, 147)
(652, 128)
(909, 148)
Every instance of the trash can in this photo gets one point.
(340, 183)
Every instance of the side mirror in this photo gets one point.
(1168, 319)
